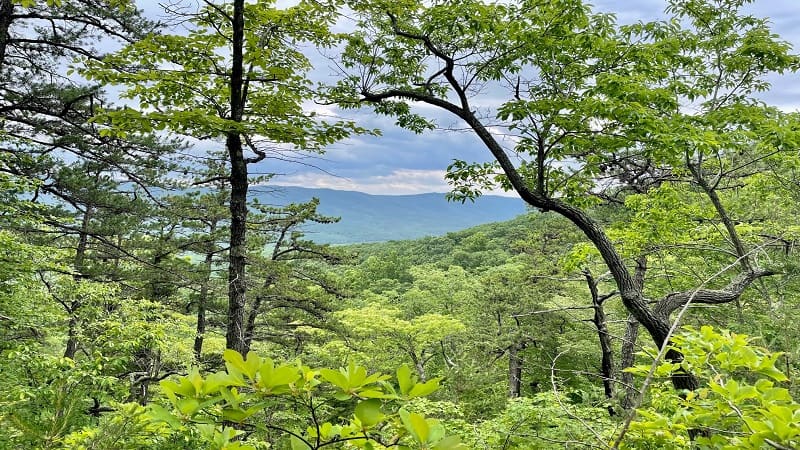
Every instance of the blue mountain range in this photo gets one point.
(378, 218)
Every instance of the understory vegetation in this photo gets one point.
(486, 333)
(648, 299)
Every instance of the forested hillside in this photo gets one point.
(649, 298)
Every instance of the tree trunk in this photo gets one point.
(83, 244)
(250, 327)
(72, 337)
(515, 363)
(419, 365)
(202, 301)
(158, 287)
(80, 257)
(237, 287)
(6, 11)
(200, 329)
(627, 358)
(599, 320)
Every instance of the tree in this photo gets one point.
(44, 111)
(196, 223)
(238, 75)
(590, 104)
(295, 291)
(419, 339)
(90, 187)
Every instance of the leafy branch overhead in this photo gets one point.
(180, 81)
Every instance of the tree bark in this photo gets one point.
(252, 315)
(676, 300)
(237, 287)
(627, 358)
(515, 363)
(80, 258)
(72, 337)
(419, 364)
(6, 11)
(202, 301)
(599, 320)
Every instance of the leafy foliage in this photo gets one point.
(330, 406)
(742, 404)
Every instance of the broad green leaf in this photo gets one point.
(182, 387)
(238, 414)
(336, 378)
(423, 389)
(284, 375)
(404, 379)
(369, 412)
(160, 414)
(188, 405)
(416, 425)
(372, 393)
(449, 443)
(436, 432)
(298, 444)
(217, 380)
(356, 375)
(248, 366)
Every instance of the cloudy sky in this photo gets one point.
(401, 162)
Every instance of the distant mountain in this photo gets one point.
(377, 218)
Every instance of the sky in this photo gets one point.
(400, 162)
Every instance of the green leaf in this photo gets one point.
(369, 412)
(217, 380)
(284, 375)
(336, 378)
(449, 443)
(404, 379)
(372, 393)
(158, 413)
(188, 406)
(423, 389)
(248, 366)
(416, 425)
(236, 414)
(182, 387)
(298, 444)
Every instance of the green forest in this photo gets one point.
(649, 299)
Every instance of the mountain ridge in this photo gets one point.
(379, 218)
